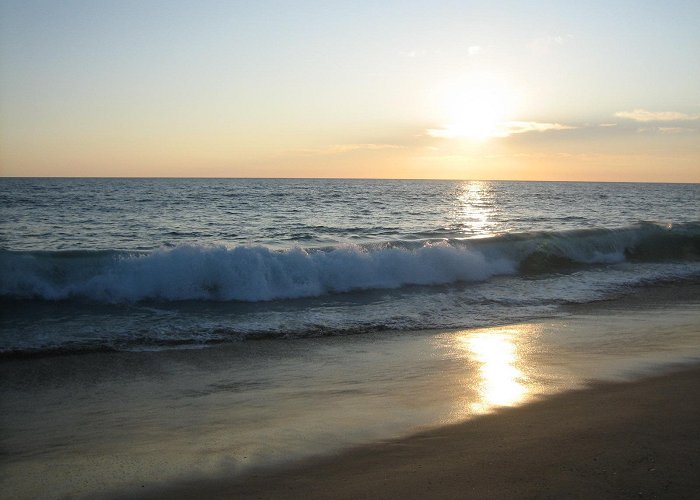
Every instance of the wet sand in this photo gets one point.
(616, 440)
(242, 420)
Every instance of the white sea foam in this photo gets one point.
(258, 273)
(245, 273)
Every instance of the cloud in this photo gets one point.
(642, 115)
(543, 45)
(675, 130)
(504, 129)
(474, 50)
(336, 149)
(441, 133)
(665, 130)
(523, 127)
(412, 54)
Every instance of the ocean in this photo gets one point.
(156, 329)
(129, 264)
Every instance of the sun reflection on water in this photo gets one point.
(475, 209)
(494, 369)
(500, 382)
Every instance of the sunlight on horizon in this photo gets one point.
(446, 90)
(475, 107)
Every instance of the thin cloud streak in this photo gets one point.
(642, 115)
(504, 129)
(524, 127)
(675, 130)
(336, 149)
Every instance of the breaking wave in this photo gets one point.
(258, 273)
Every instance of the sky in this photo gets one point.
(538, 90)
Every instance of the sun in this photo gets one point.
(475, 108)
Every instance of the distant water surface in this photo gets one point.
(104, 264)
(146, 214)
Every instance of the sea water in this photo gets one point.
(157, 330)
(124, 264)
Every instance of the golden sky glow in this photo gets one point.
(477, 107)
(464, 90)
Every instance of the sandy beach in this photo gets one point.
(599, 403)
(617, 440)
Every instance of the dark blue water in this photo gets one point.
(101, 264)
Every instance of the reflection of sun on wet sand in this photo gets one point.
(624, 440)
(611, 440)
(499, 377)
(497, 369)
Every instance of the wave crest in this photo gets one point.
(257, 273)
(246, 273)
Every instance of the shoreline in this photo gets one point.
(663, 294)
(173, 423)
(634, 439)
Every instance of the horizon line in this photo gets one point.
(341, 178)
